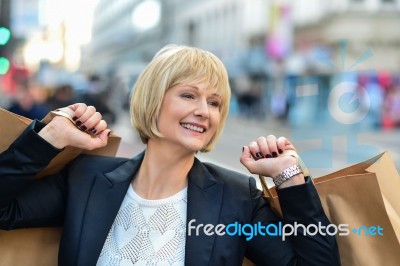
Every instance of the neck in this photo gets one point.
(163, 172)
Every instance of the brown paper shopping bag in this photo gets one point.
(366, 197)
(38, 246)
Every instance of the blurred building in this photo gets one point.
(362, 24)
(119, 41)
(132, 31)
(250, 36)
(126, 33)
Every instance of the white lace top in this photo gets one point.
(147, 232)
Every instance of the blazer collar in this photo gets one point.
(204, 207)
(109, 190)
(106, 196)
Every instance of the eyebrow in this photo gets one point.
(197, 88)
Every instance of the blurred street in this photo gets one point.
(240, 131)
(323, 74)
(302, 73)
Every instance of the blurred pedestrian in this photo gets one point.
(25, 104)
(163, 207)
(371, 89)
(391, 108)
(97, 94)
(63, 96)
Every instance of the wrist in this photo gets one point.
(295, 180)
(284, 163)
(50, 134)
(290, 173)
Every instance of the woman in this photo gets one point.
(163, 207)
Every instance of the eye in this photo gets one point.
(187, 96)
(214, 103)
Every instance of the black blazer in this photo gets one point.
(85, 197)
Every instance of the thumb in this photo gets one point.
(104, 136)
(247, 159)
(100, 140)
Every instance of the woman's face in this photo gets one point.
(189, 115)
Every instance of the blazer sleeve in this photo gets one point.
(25, 201)
(300, 204)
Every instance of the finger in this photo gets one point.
(281, 143)
(99, 128)
(287, 145)
(272, 145)
(263, 146)
(255, 150)
(95, 142)
(74, 106)
(102, 138)
(92, 122)
(78, 108)
(247, 158)
(90, 110)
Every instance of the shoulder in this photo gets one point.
(238, 189)
(230, 177)
(89, 163)
(223, 172)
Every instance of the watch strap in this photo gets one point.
(287, 174)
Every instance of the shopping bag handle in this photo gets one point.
(65, 112)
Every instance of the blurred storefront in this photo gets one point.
(276, 51)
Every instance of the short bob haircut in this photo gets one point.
(171, 66)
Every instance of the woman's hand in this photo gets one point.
(261, 157)
(91, 134)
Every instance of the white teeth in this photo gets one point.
(194, 128)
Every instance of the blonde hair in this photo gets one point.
(173, 65)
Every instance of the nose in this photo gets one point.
(202, 109)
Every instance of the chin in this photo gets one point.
(194, 148)
(194, 145)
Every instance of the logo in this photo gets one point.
(279, 230)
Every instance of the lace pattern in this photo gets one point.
(147, 232)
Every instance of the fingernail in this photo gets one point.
(109, 133)
(74, 118)
(259, 155)
(280, 150)
(78, 123)
(274, 154)
(93, 130)
(83, 128)
(268, 156)
(242, 149)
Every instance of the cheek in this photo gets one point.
(215, 119)
(170, 111)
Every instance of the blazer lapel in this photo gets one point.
(107, 194)
(203, 207)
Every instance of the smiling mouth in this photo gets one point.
(193, 127)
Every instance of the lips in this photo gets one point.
(193, 127)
